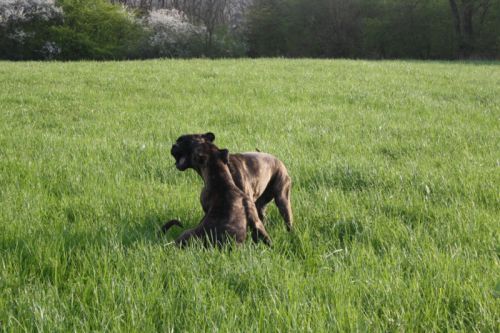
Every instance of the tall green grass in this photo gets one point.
(396, 178)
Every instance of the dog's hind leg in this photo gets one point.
(199, 232)
(184, 238)
(282, 199)
(262, 202)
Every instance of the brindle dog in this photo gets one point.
(229, 211)
(261, 176)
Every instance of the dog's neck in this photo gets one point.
(216, 176)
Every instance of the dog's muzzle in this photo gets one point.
(181, 161)
(174, 150)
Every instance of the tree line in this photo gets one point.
(130, 29)
(422, 29)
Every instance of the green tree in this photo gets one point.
(407, 29)
(267, 25)
(97, 29)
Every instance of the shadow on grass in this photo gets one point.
(412, 216)
(148, 230)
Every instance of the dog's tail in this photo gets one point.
(169, 224)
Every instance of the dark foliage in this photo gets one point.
(421, 29)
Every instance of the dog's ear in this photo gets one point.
(224, 155)
(209, 136)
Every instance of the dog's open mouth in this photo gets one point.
(181, 160)
(181, 163)
(181, 155)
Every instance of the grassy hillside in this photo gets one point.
(396, 178)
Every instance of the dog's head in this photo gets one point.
(183, 149)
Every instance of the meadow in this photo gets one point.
(396, 196)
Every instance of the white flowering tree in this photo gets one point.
(24, 28)
(173, 35)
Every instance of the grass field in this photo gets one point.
(396, 178)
